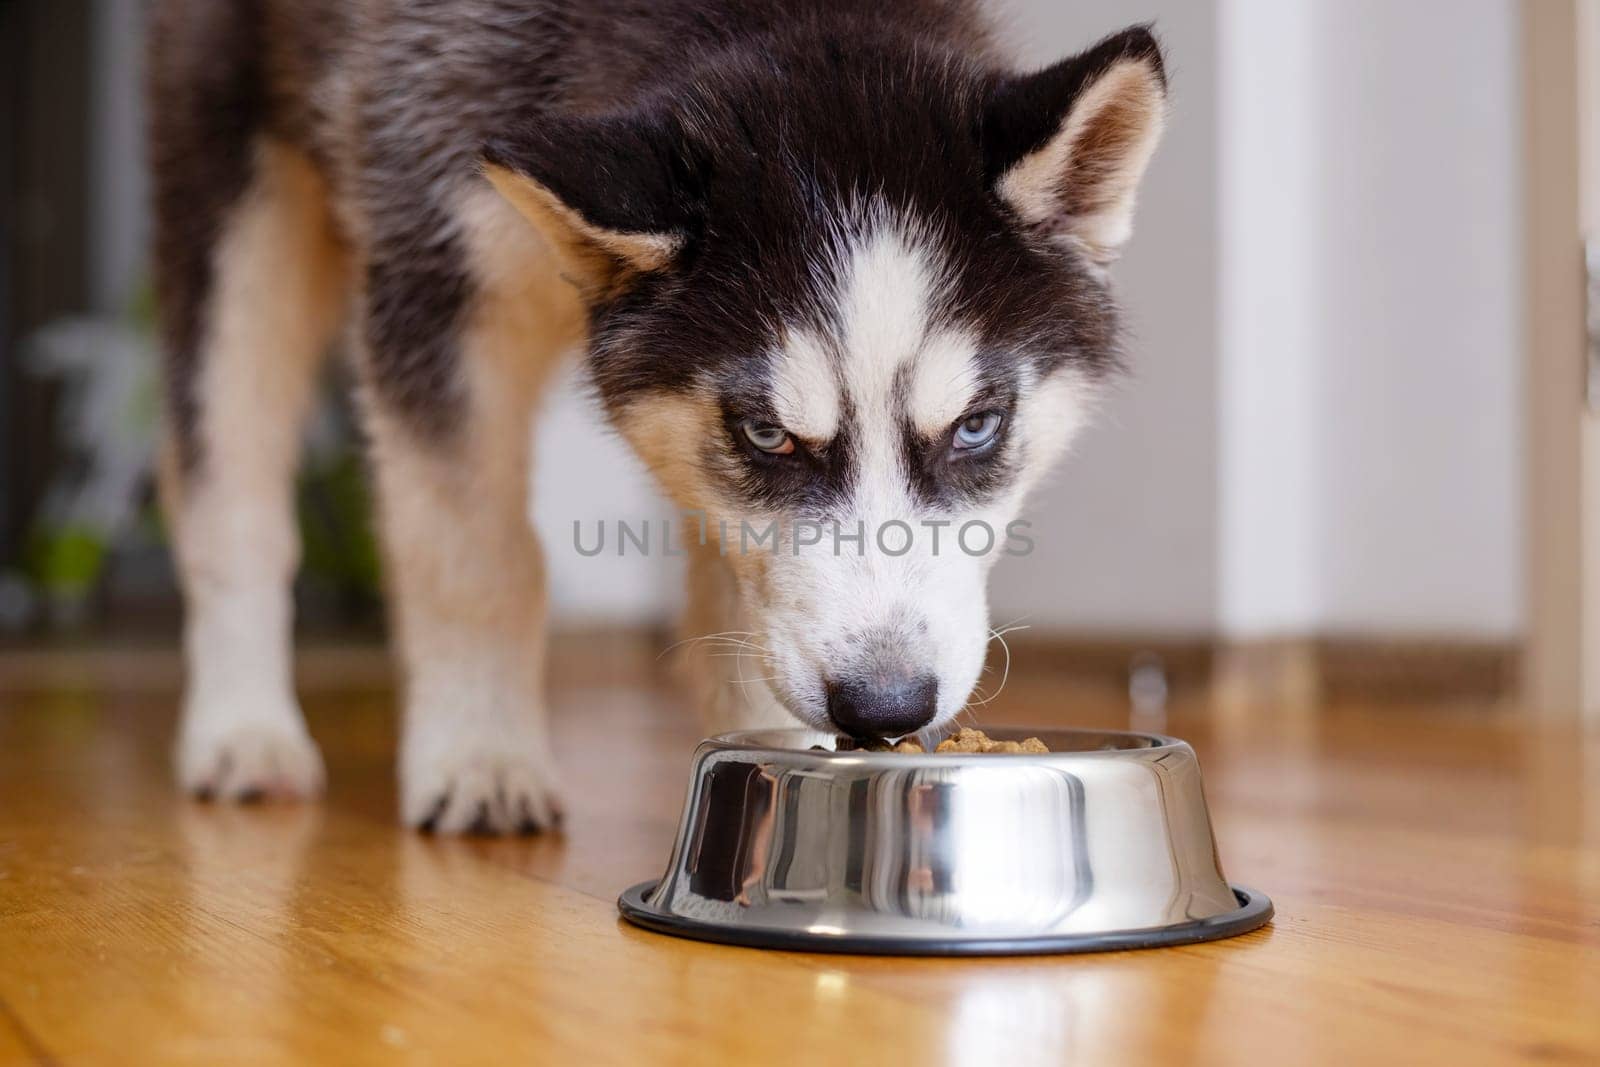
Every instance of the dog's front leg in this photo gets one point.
(465, 572)
(467, 588)
(272, 304)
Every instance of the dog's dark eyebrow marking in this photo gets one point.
(943, 481)
(746, 390)
(811, 481)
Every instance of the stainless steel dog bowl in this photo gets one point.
(1104, 843)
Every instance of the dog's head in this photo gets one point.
(853, 288)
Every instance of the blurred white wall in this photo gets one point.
(1127, 531)
(1324, 296)
(1371, 350)
(1270, 498)
(1421, 317)
(583, 473)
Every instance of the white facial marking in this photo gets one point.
(805, 389)
(944, 380)
(1053, 410)
(888, 286)
(827, 615)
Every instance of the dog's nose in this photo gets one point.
(883, 707)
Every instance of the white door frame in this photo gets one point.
(1560, 110)
(1589, 416)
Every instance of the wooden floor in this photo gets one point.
(1437, 879)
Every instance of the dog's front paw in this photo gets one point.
(245, 758)
(469, 783)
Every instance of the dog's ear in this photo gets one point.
(1065, 147)
(615, 195)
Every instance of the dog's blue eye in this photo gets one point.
(975, 431)
(772, 439)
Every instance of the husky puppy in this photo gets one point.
(829, 261)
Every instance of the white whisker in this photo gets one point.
(997, 635)
(736, 638)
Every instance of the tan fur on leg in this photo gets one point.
(280, 290)
(466, 572)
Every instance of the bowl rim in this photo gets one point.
(1254, 911)
(741, 741)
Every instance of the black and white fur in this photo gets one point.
(846, 219)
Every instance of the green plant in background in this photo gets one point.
(340, 557)
(66, 561)
(97, 523)
(104, 426)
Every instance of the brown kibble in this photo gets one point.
(965, 739)
(969, 740)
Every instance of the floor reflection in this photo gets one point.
(241, 921)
